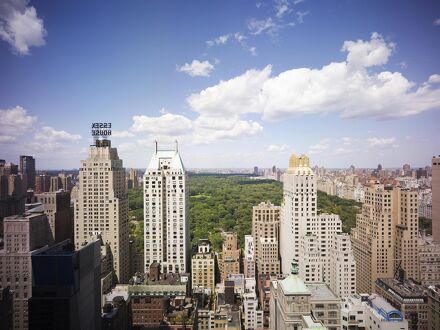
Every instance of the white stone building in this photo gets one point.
(166, 226)
(249, 257)
(342, 277)
(253, 315)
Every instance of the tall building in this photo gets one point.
(436, 198)
(55, 183)
(434, 307)
(203, 267)
(342, 277)
(429, 261)
(27, 167)
(229, 258)
(134, 177)
(385, 236)
(102, 204)
(299, 208)
(66, 287)
(249, 257)
(310, 259)
(24, 236)
(66, 182)
(42, 183)
(166, 226)
(266, 234)
(56, 206)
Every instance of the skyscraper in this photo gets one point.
(436, 198)
(102, 204)
(166, 226)
(27, 167)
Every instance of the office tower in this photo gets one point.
(42, 183)
(8, 168)
(102, 204)
(342, 277)
(12, 196)
(385, 236)
(55, 183)
(299, 209)
(24, 236)
(166, 226)
(249, 257)
(203, 267)
(56, 206)
(66, 287)
(66, 182)
(436, 198)
(6, 309)
(229, 258)
(27, 168)
(256, 172)
(433, 305)
(266, 231)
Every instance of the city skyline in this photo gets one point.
(234, 84)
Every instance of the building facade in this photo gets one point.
(249, 257)
(229, 258)
(436, 198)
(203, 268)
(102, 205)
(166, 226)
(27, 168)
(342, 277)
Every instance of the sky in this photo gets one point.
(238, 83)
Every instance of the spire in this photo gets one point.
(177, 146)
(155, 146)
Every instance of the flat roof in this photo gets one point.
(320, 291)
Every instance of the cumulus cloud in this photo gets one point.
(434, 79)
(278, 148)
(437, 22)
(343, 151)
(197, 68)
(122, 134)
(49, 134)
(20, 26)
(14, 122)
(381, 142)
(349, 88)
(347, 140)
(167, 124)
(253, 51)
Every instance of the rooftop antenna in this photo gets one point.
(155, 146)
(177, 146)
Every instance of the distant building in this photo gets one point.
(249, 257)
(266, 234)
(229, 258)
(408, 297)
(42, 183)
(166, 225)
(27, 168)
(56, 206)
(203, 267)
(436, 198)
(434, 307)
(133, 177)
(25, 235)
(66, 290)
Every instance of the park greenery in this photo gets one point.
(224, 202)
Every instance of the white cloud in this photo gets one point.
(253, 51)
(267, 25)
(319, 147)
(20, 26)
(197, 68)
(347, 87)
(437, 22)
(239, 37)
(343, 151)
(300, 16)
(7, 139)
(381, 142)
(221, 40)
(347, 140)
(434, 79)
(49, 134)
(122, 134)
(278, 148)
(168, 124)
(282, 7)
(14, 122)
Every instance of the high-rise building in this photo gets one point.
(310, 259)
(299, 208)
(102, 205)
(229, 258)
(55, 183)
(133, 176)
(342, 275)
(385, 236)
(66, 287)
(266, 234)
(166, 226)
(429, 261)
(434, 307)
(66, 182)
(56, 206)
(27, 167)
(6, 309)
(436, 198)
(42, 183)
(24, 236)
(249, 257)
(203, 267)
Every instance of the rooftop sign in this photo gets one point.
(101, 129)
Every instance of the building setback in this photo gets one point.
(166, 226)
(102, 205)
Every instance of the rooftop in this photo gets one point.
(407, 291)
(321, 291)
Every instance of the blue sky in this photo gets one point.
(238, 83)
